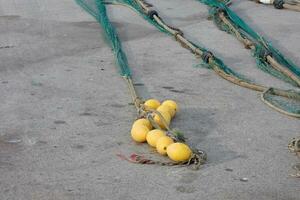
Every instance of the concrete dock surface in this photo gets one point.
(66, 113)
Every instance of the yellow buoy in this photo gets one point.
(152, 104)
(162, 144)
(179, 152)
(159, 121)
(166, 108)
(153, 136)
(144, 122)
(139, 133)
(171, 104)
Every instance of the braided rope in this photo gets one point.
(270, 104)
(294, 147)
(199, 52)
(251, 45)
(179, 37)
(125, 72)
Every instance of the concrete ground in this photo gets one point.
(65, 111)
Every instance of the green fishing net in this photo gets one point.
(97, 9)
(262, 46)
(290, 105)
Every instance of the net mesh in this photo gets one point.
(98, 10)
(290, 105)
(261, 44)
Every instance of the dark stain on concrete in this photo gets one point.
(177, 91)
(139, 84)
(88, 114)
(6, 47)
(117, 105)
(10, 17)
(182, 91)
(35, 83)
(12, 137)
(189, 177)
(168, 87)
(42, 142)
(78, 146)
(185, 189)
(120, 143)
(60, 122)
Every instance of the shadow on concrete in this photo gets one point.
(199, 126)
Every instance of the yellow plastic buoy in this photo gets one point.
(144, 122)
(171, 104)
(179, 152)
(159, 121)
(152, 104)
(139, 133)
(162, 144)
(166, 108)
(153, 136)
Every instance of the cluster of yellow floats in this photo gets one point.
(142, 131)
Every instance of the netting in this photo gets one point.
(97, 9)
(262, 46)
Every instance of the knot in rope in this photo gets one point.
(220, 10)
(278, 4)
(151, 14)
(264, 53)
(206, 55)
(294, 145)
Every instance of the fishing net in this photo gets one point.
(262, 46)
(286, 105)
(97, 9)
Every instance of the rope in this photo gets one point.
(179, 36)
(250, 44)
(198, 157)
(294, 147)
(261, 49)
(271, 105)
(135, 99)
(211, 61)
(194, 161)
